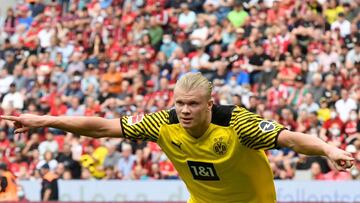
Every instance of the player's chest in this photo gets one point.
(202, 158)
(217, 145)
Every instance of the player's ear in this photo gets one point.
(210, 104)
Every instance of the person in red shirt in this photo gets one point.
(164, 93)
(337, 175)
(92, 108)
(276, 92)
(327, 124)
(278, 10)
(149, 97)
(336, 136)
(316, 173)
(58, 108)
(18, 163)
(287, 119)
(167, 169)
(289, 71)
(240, 40)
(113, 46)
(162, 16)
(350, 127)
(30, 40)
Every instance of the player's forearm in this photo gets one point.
(304, 143)
(88, 126)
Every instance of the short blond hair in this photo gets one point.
(191, 81)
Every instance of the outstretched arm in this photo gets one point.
(95, 127)
(311, 145)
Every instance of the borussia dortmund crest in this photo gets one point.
(220, 147)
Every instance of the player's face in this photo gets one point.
(192, 108)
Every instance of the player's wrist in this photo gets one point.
(328, 149)
(47, 121)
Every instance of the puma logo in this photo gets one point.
(178, 145)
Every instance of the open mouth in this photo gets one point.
(186, 120)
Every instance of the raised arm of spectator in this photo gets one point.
(311, 145)
(95, 127)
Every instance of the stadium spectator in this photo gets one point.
(8, 184)
(12, 99)
(112, 158)
(49, 184)
(308, 105)
(126, 162)
(66, 160)
(345, 105)
(48, 145)
(49, 160)
(238, 15)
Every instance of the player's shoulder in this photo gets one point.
(224, 114)
(221, 114)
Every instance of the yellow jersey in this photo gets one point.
(226, 164)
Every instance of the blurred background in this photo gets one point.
(296, 62)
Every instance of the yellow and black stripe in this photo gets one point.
(248, 126)
(147, 129)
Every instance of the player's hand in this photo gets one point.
(25, 122)
(341, 159)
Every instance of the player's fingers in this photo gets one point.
(18, 124)
(345, 164)
(339, 166)
(347, 157)
(21, 130)
(11, 118)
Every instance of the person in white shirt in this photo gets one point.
(187, 17)
(345, 105)
(201, 33)
(327, 57)
(308, 104)
(5, 80)
(45, 35)
(201, 58)
(13, 99)
(342, 24)
(48, 145)
(20, 32)
(354, 54)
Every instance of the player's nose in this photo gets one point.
(185, 109)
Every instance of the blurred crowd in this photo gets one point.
(294, 61)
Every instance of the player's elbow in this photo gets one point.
(109, 128)
(286, 139)
(97, 127)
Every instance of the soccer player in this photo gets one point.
(218, 151)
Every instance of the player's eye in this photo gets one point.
(193, 104)
(179, 103)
